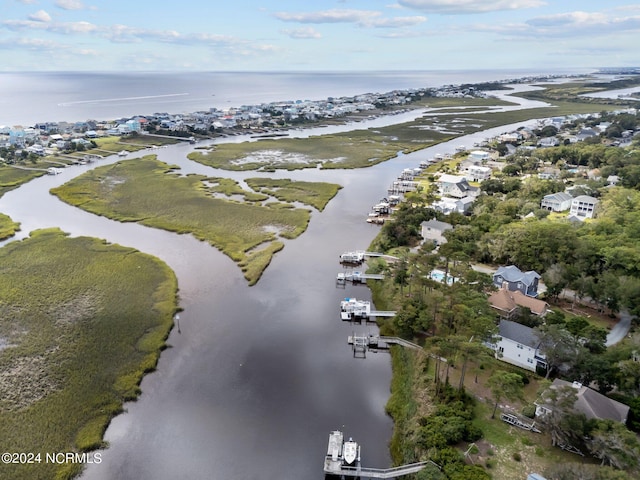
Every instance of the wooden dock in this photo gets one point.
(357, 277)
(362, 343)
(336, 462)
(356, 257)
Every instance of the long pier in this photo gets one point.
(379, 472)
(357, 277)
(362, 343)
(359, 256)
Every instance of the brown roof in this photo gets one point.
(507, 301)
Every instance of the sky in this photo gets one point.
(318, 35)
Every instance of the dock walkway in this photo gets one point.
(366, 472)
(357, 277)
(362, 343)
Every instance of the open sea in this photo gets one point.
(29, 98)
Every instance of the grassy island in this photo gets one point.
(215, 210)
(8, 227)
(82, 321)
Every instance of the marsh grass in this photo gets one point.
(145, 190)
(84, 321)
(8, 227)
(11, 177)
(315, 194)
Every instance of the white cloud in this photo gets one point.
(32, 44)
(330, 16)
(469, 6)
(54, 27)
(396, 22)
(302, 33)
(569, 19)
(362, 18)
(40, 16)
(70, 4)
(565, 25)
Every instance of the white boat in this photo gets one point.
(123, 153)
(350, 451)
(352, 257)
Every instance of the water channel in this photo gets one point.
(256, 377)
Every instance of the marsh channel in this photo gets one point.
(255, 377)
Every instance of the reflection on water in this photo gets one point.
(258, 376)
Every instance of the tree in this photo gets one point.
(504, 385)
(565, 426)
(615, 445)
(560, 348)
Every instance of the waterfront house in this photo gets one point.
(590, 403)
(518, 345)
(476, 173)
(584, 206)
(556, 202)
(516, 279)
(449, 205)
(455, 186)
(479, 156)
(433, 230)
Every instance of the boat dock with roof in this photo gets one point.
(353, 309)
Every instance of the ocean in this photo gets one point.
(30, 98)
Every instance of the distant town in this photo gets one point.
(47, 138)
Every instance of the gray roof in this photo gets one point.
(512, 273)
(560, 197)
(594, 404)
(585, 199)
(436, 225)
(518, 333)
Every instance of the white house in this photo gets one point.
(455, 186)
(556, 202)
(449, 205)
(519, 345)
(475, 173)
(583, 206)
(434, 230)
(479, 156)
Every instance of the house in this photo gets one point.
(434, 230)
(613, 180)
(449, 205)
(584, 206)
(549, 173)
(509, 304)
(455, 186)
(525, 282)
(518, 345)
(479, 156)
(586, 133)
(592, 404)
(556, 202)
(475, 173)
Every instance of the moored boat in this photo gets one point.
(350, 451)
